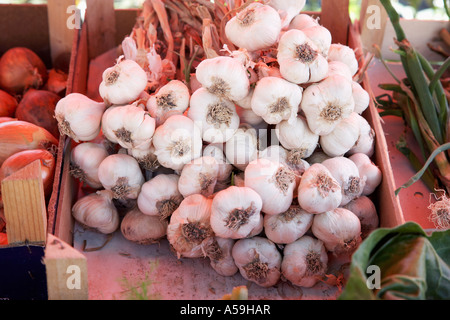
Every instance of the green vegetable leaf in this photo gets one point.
(412, 265)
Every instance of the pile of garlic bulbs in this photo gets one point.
(263, 166)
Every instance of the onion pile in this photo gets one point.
(28, 128)
(211, 183)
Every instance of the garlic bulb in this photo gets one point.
(123, 83)
(97, 211)
(368, 171)
(121, 174)
(321, 37)
(218, 250)
(160, 196)
(297, 137)
(287, 9)
(347, 175)
(224, 77)
(216, 117)
(143, 229)
(300, 59)
(325, 104)
(276, 99)
(288, 226)
(365, 210)
(339, 229)
(235, 212)
(85, 159)
(242, 148)
(145, 157)
(289, 157)
(343, 137)
(274, 182)
(258, 260)
(246, 103)
(129, 126)
(199, 177)
(343, 53)
(79, 117)
(225, 167)
(340, 68)
(256, 27)
(361, 97)
(249, 117)
(189, 226)
(177, 142)
(172, 98)
(305, 262)
(366, 139)
(303, 21)
(319, 191)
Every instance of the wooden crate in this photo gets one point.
(23, 275)
(120, 258)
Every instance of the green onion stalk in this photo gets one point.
(424, 106)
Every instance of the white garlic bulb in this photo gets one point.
(305, 262)
(172, 98)
(368, 171)
(274, 182)
(129, 126)
(287, 9)
(325, 104)
(366, 139)
(199, 177)
(85, 158)
(276, 99)
(225, 167)
(143, 229)
(121, 174)
(97, 211)
(343, 137)
(160, 196)
(288, 226)
(190, 226)
(319, 191)
(343, 53)
(321, 37)
(235, 212)
(79, 117)
(218, 250)
(361, 97)
(339, 229)
(123, 83)
(250, 117)
(300, 59)
(303, 21)
(365, 210)
(256, 27)
(297, 137)
(340, 68)
(177, 142)
(216, 117)
(242, 148)
(292, 158)
(246, 103)
(224, 77)
(347, 175)
(258, 260)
